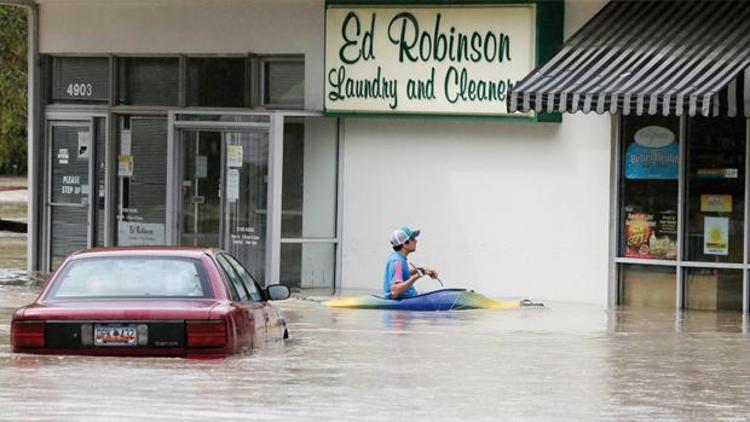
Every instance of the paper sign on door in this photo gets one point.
(234, 156)
(125, 166)
(233, 184)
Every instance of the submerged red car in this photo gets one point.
(150, 302)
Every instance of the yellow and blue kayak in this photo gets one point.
(438, 300)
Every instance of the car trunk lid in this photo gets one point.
(115, 309)
(149, 326)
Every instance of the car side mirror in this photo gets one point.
(277, 292)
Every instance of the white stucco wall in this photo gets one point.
(506, 208)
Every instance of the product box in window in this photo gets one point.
(650, 235)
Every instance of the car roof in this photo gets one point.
(175, 251)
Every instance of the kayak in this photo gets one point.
(438, 300)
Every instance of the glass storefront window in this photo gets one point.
(713, 207)
(647, 286)
(308, 202)
(716, 189)
(141, 181)
(284, 83)
(224, 118)
(80, 79)
(293, 179)
(217, 82)
(648, 225)
(308, 265)
(149, 81)
(308, 195)
(713, 289)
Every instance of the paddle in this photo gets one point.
(421, 273)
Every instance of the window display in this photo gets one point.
(649, 187)
(716, 189)
(713, 208)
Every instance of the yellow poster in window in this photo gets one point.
(716, 236)
(125, 166)
(716, 203)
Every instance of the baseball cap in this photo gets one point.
(401, 235)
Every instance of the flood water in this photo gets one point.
(562, 362)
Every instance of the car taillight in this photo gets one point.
(27, 334)
(209, 333)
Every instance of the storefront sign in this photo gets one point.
(716, 236)
(654, 154)
(426, 59)
(716, 203)
(133, 234)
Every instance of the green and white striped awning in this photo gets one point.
(669, 57)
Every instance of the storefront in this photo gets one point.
(154, 140)
(675, 76)
(299, 134)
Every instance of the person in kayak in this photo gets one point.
(399, 279)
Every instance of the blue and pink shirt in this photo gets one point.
(397, 271)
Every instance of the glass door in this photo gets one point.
(223, 192)
(69, 193)
(200, 168)
(246, 199)
(715, 223)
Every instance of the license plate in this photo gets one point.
(115, 335)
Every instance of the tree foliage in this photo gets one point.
(13, 86)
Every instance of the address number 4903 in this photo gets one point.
(80, 90)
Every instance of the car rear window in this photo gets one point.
(132, 277)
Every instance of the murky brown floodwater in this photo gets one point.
(564, 362)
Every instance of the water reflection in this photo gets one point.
(625, 320)
(563, 362)
(403, 321)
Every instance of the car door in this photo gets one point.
(253, 310)
(274, 322)
(241, 316)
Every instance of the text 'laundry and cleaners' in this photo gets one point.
(383, 61)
